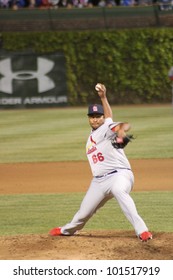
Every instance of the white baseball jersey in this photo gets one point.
(102, 156)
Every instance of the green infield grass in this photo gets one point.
(31, 214)
(47, 135)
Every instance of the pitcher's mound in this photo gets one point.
(87, 245)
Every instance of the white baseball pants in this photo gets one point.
(117, 185)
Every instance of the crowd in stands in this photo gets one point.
(44, 4)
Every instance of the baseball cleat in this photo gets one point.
(55, 231)
(145, 236)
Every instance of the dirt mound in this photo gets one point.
(88, 245)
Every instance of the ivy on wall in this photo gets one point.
(133, 63)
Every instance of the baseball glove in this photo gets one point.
(121, 143)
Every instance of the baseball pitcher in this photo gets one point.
(112, 174)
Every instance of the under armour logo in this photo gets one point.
(44, 66)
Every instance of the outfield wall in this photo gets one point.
(86, 18)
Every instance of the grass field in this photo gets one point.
(60, 135)
(22, 214)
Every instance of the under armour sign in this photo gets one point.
(29, 81)
(44, 82)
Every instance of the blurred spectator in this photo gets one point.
(53, 3)
(165, 5)
(18, 4)
(102, 3)
(5, 3)
(44, 4)
(80, 3)
(65, 4)
(36, 3)
(108, 3)
(111, 3)
(32, 3)
(127, 3)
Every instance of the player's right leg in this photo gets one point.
(93, 200)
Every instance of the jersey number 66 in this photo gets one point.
(97, 157)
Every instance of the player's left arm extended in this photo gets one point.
(122, 138)
(121, 129)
